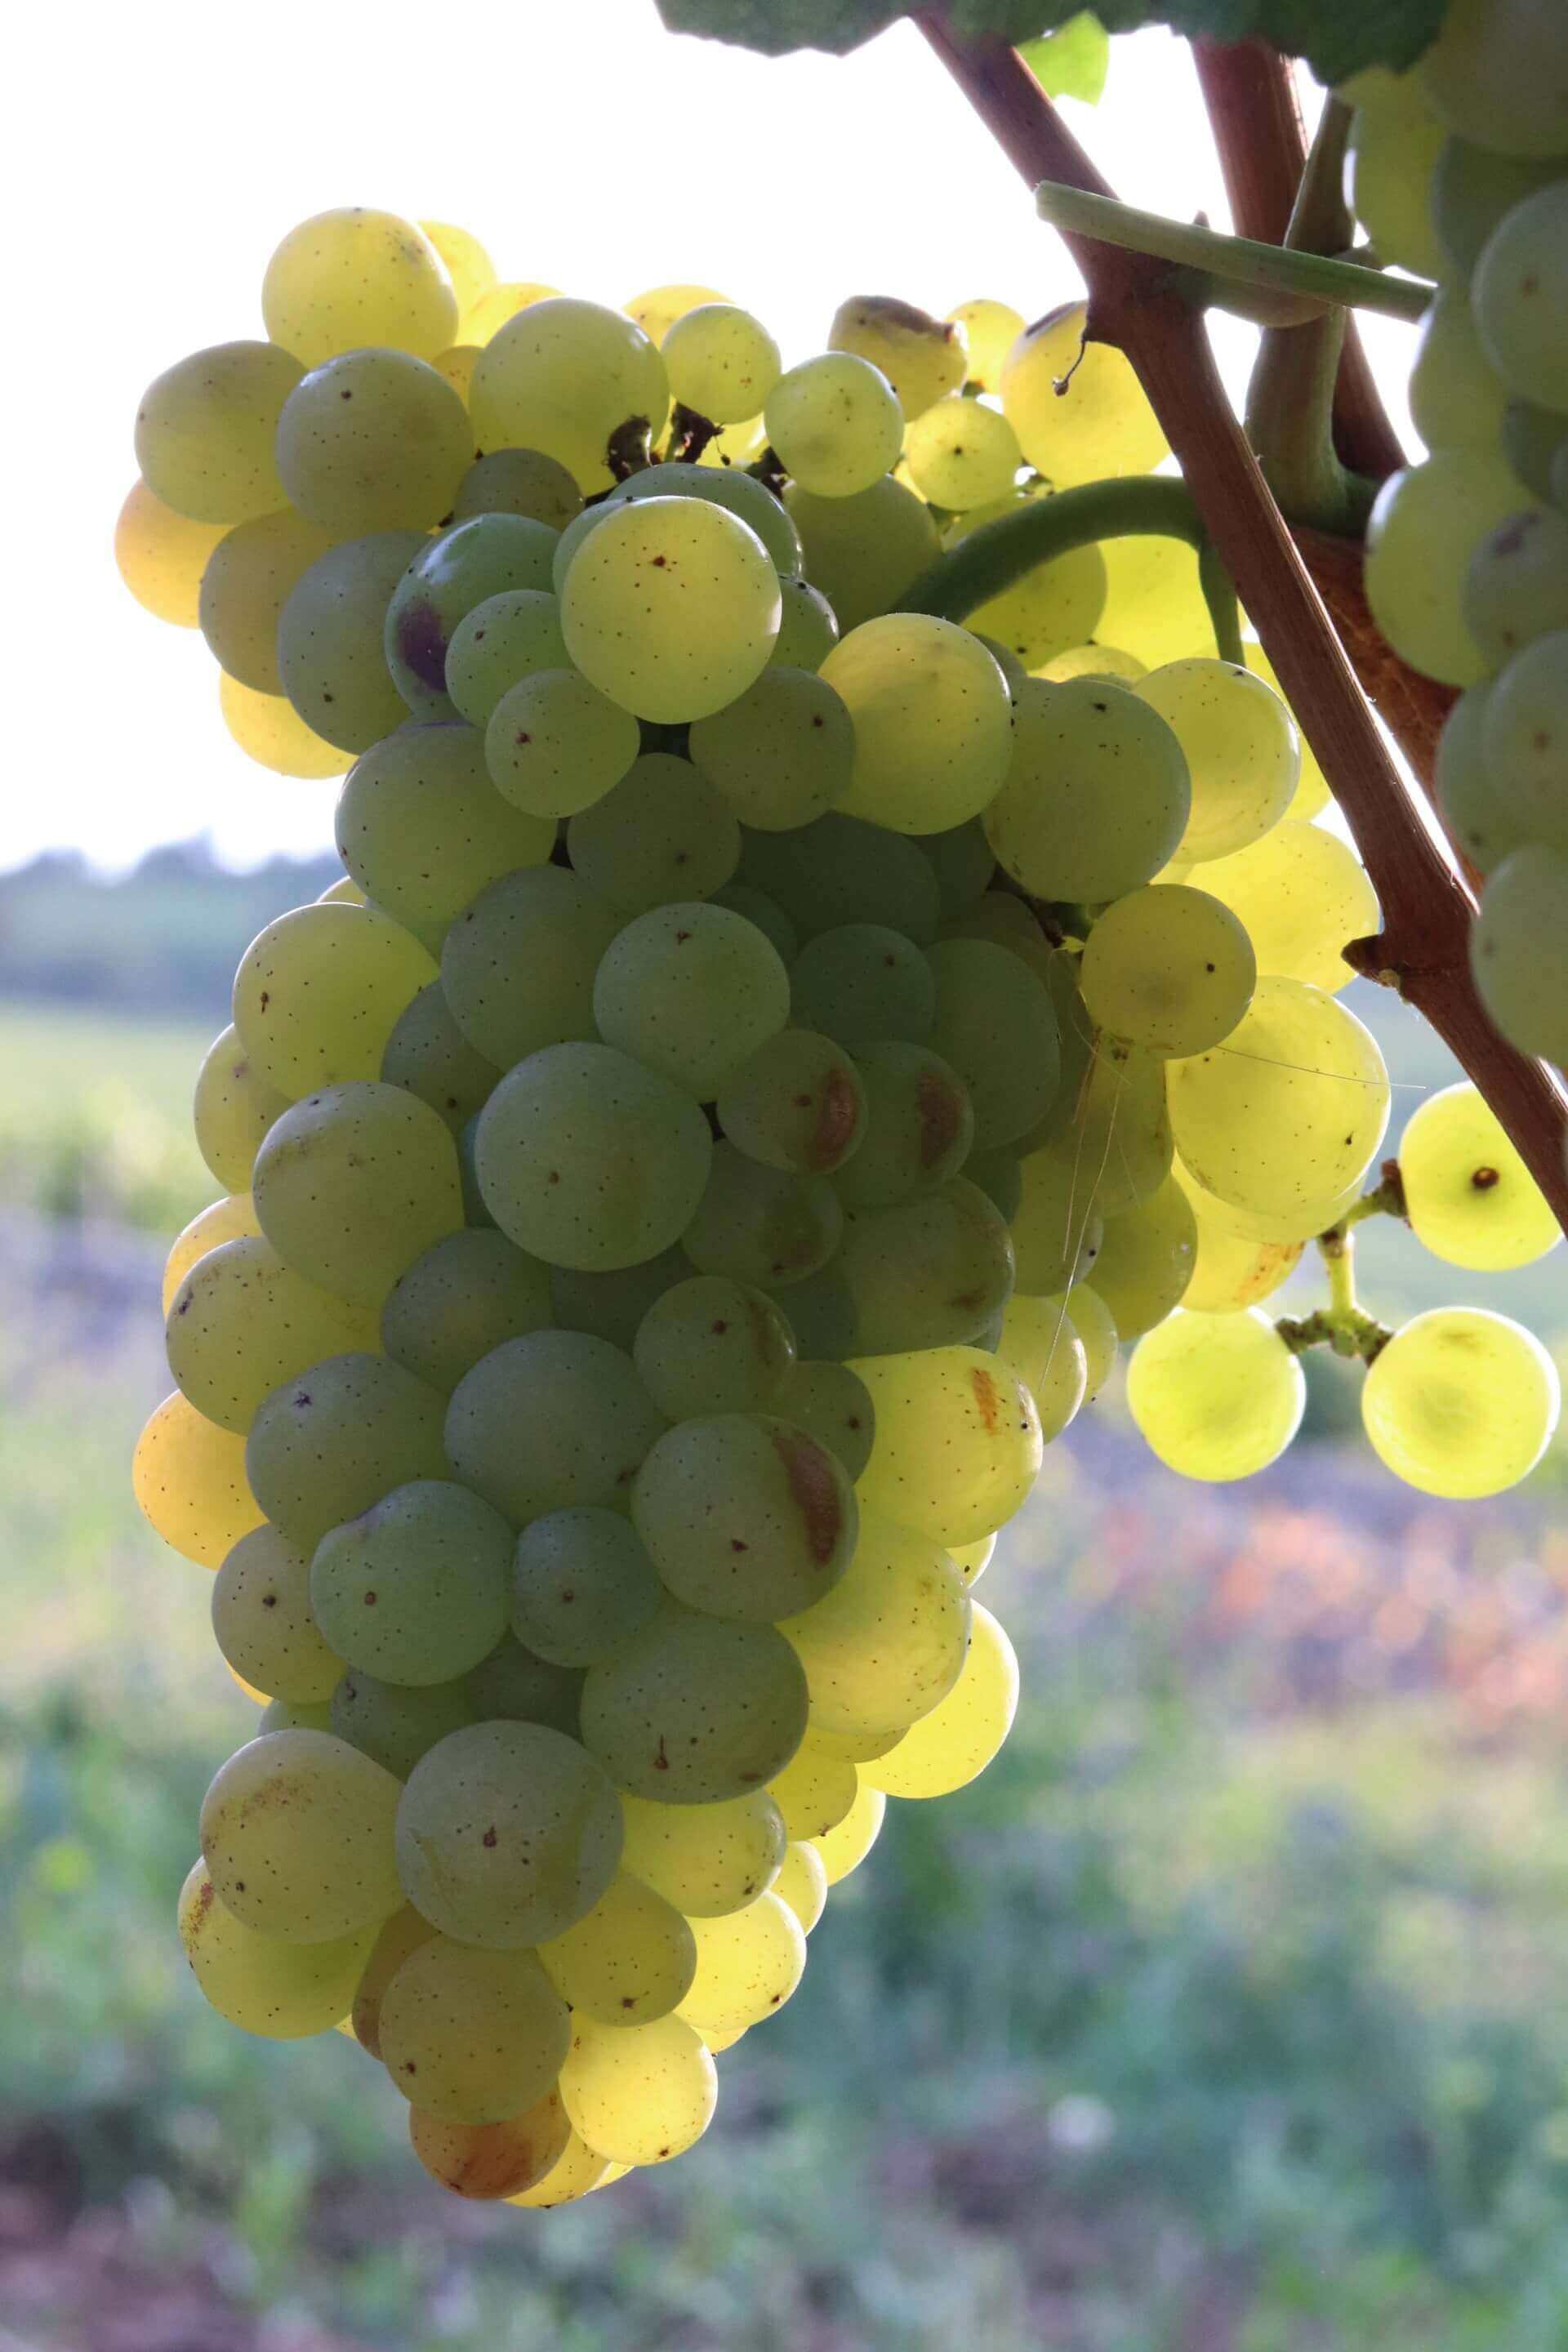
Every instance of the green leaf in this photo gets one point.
(1071, 62)
(1335, 38)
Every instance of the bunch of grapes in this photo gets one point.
(718, 1130)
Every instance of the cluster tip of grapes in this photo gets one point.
(716, 1133)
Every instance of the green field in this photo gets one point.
(95, 1115)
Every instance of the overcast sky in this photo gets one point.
(162, 154)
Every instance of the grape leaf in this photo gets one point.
(1071, 62)
(1336, 39)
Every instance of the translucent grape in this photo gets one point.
(919, 1127)
(580, 2169)
(833, 1405)
(1516, 584)
(1461, 1402)
(639, 2094)
(486, 556)
(456, 367)
(840, 870)
(1426, 521)
(347, 278)
(1300, 894)
(281, 1990)
(1154, 604)
(1524, 729)
(1217, 1396)
(690, 991)
(1497, 73)
(863, 552)
(583, 1586)
(807, 629)
(843, 1850)
(325, 1446)
(797, 1103)
(720, 361)
(1096, 1328)
(469, 266)
(816, 1789)
(242, 1320)
(204, 431)
(1456, 397)
(781, 754)
(1469, 1197)
(428, 1056)
(1291, 1107)
(373, 440)
(1008, 922)
(520, 482)
(330, 655)
(1241, 748)
(744, 1516)
(657, 311)
(514, 1685)
(965, 1731)
(708, 1858)
(264, 1622)
(1230, 1269)
(1058, 1224)
(1169, 967)
(1394, 146)
(395, 1724)
(472, 2037)
(1533, 438)
(1299, 1220)
(748, 1963)
(401, 1934)
(1146, 1259)
(588, 1159)
(1097, 797)
(518, 965)
(352, 1185)
(665, 832)
(1472, 190)
(554, 744)
(802, 1883)
(990, 330)
(1312, 795)
(961, 454)
(958, 1442)
(414, 1589)
(162, 556)
(1076, 407)
(612, 1305)
(497, 642)
(506, 1833)
(670, 606)
(496, 2159)
(190, 1483)
(1056, 605)
(553, 1419)
(887, 1642)
(995, 1027)
(749, 501)
(932, 722)
(268, 730)
(698, 1710)
(712, 1346)
(861, 981)
(926, 1273)
(502, 303)
(922, 357)
(762, 1224)
(562, 376)
(1519, 950)
(631, 1959)
(232, 1219)
(1467, 794)
(1093, 661)
(297, 1832)
(465, 1294)
(423, 829)
(249, 576)
(1112, 1127)
(835, 423)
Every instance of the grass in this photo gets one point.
(95, 1120)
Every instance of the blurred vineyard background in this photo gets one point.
(1225, 2015)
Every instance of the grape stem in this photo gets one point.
(1001, 554)
(1423, 950)
(1344, 1325)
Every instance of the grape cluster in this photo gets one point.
(717, 1132)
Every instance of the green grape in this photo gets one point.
(487, 555)
(747, 1964)
(1466, 796)
(1075, 405)
(1040, 1344)
(1426, 521)
(932, 722)
(264, 1623)
(990, 329)
(958, 1442)
(1013, 671)
(964, 1732)
(588, 1159)
(1099, 661)
(1096, 1328)
(797, 1102)
(961, 453)
(297, 1832)
(395, 1724)
(1395, 145)
(712, 1346)
(843, 1850)
(423, 829)
(1155, 609)
(281, 1990)
(243, 1320)
(414, 1589)
(190, 1484)
(1098, 794)
(1532, 439)
(293, 1715)
(782, 752)
(330, 655)
(327, 1444)
(722, 363)
(1111, 1124)
(664, 833)
(802, 1883)
(345, 892)
(1472, 190)
(630, 1960)
(1497, 73)
(1230, 1269)
(1215, 1396)
(162, 557)
(473, 2037)
(554, 744)
(1000, 1176)
(1524, 726)
(1058, 1225)
(706, 1859)
(807, 629)
(506, 1833)
(657, 311)
(1291, 1107)
(467, 1293)
(1299, 1220)
(887, 1642)
(521, 482)
(507, 2159)
(1054, 606)
(1519, 950)
(863, 552)
(840, 870)
(518, 965)
(1516, 584)
(1169, 968)
(270, 730)
(502, 303)
(822, 1314)
(698, 1710)
(1469, 1197)
(612, 1305)
(352, 1185)
(563, 377)
(512, 1686)
(1241, 748)
(749, 501)
(579, 2170)
(670, 606)
(639, 2094)
(964, 866)
(764, 1225)
(470, 269)
(553, 1419)
(456, 367)
(927, 1273)
(919, 1127)
(231, 1219)
(1300, 894)
(690, 991)
(428, 1056)
(1146, 1259)
(346, 278)
(744, 1516)
(1461, 1402)
(1456, 398)
(814, 1790)
(583, 1588)
(499, 642)
(205, 432)
(835, 423)
(995, 1027)
(833, 1405)
(859, 982)
(1008, 922)
(922, 357)
(249, 576)
(373, 440)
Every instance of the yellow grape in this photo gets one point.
(748, 1963)
(629, 1960)
(958, 1441)
(639, 2094)
(493, 2161)
(353, 278)
(1231, 1269)
(990, 330)
(188, 1477)
(1461, 1402)
(657, 311)
(802, 1883)
(1311, 795)
(1217, 1396)
(844, 1849)
(469, 266)
(232, 1219)
(1077, 407)
(281, 1990)
(575, 2171)
(1468, 1195)
(922, 358)
(1302, 894)
(952, 1745)
(500, 303)
(270, 730)
(162, 555)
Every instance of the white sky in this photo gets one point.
(591, 149)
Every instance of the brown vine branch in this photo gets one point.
(1422, 948)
